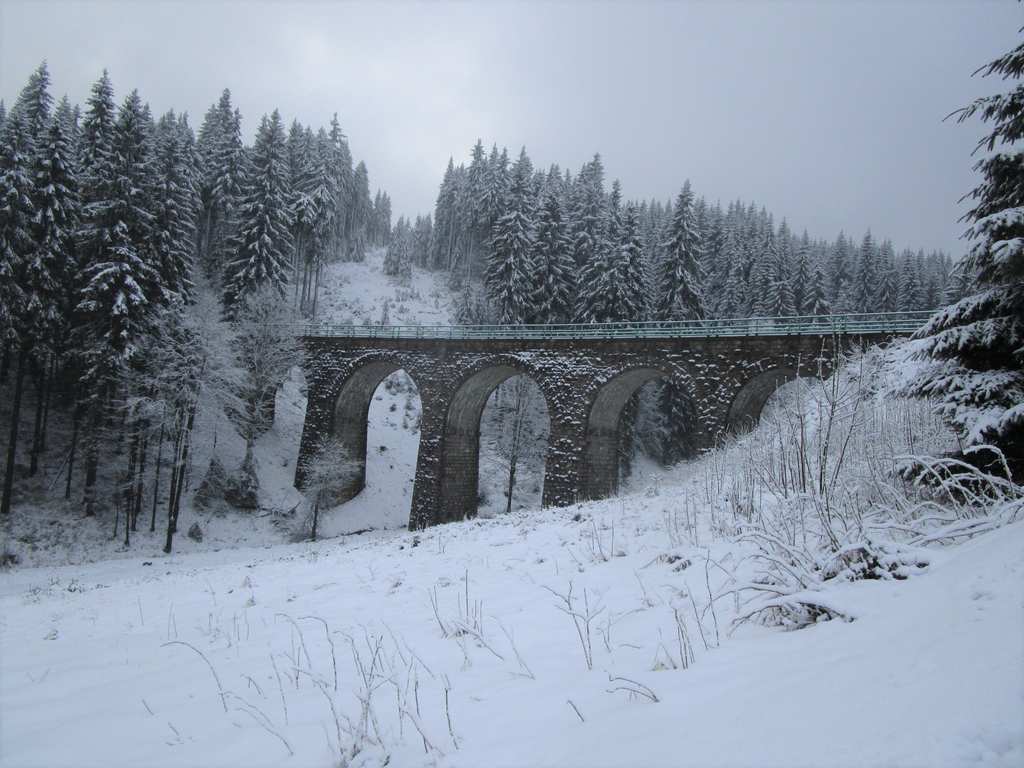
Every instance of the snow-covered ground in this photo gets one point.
(608, 633)
(243, 657)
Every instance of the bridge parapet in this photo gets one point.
(856, 324)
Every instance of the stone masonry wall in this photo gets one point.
(455, 378)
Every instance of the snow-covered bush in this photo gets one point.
(327, 472)
(820, 492)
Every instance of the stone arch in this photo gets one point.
(748, 403)
(460, 448)
(599, 476)
(350, 412)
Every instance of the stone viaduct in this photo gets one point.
(586, 383)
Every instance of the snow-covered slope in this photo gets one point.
(38, 532)
(243, 657)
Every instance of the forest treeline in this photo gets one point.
(553, 247)
(145, 268)
(531, 246)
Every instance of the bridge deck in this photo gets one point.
(812, 325)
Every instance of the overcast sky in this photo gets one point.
(828, 113)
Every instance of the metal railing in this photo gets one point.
(808, 325)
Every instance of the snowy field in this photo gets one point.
(267, 657)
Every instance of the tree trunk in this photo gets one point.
(316, 515)
(126, 494)
(296, 263)
(511, 484)
(156, 479)
(12, 446)
(49, 396)
(140, 482)
(37, 427)
(91, 464)
(71, 454)
(316, 288)
(305, 287)
(5, 362)
(128, 486)
(178, 476)
(174, 482)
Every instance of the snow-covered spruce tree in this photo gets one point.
(764, 254)
(442, 249)
(680, 296)
(343, 190)
(909, 296)
(398, 256)
(886, 289)
(586, 215)
(510, 268)
(222, 157)
(175, 206)
(801, 278)
(613, 214)
(779, 300)
(359, 213)
(733, 300)
(35, 102)
(382, 219)
(299, 149)
(70, 118)
(331, 174)
(815, 302)
(423, 238)
(50, 268)
(313, 204)
(959, 285)
(261, 248)
(630, 267)
(592, 289)
(498, 182)
(866, 279)
(478, 203)
(839, 273)
(119, 284)
(626, 293)
(16, 245)
(976, 346)
(679, 279)
(600, 296)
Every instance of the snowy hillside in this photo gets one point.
(352, 292)
(452, 648)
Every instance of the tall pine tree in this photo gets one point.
(680, 283)
(510, 268)
(262, 246)
(976, 346)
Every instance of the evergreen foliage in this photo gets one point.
(262, 247)
(554, 268)
(680, 279)
(104, 223)
(510, 274)
(976, 346)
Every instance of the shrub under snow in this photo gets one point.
(841, 481)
